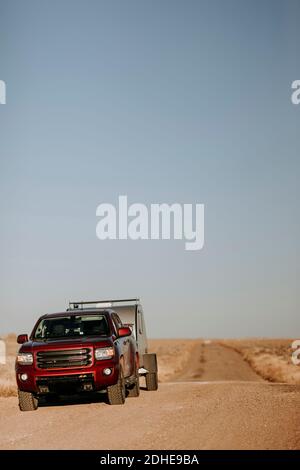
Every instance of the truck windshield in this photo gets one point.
(72, 326)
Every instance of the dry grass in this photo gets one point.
(172, 356)
(8, 386)
(270, 358)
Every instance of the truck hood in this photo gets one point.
(67, 343)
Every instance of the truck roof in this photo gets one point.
(77, 311)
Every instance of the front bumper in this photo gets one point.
(69, 380)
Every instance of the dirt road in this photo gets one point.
(215, 401)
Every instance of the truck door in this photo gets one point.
(124, 346)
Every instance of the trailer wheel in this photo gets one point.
(27, 401)
(151, 381)
(116, 393)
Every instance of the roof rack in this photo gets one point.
(77, 305)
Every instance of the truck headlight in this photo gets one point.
(104, 353)
(25, 358)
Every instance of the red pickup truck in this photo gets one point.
(87, 348)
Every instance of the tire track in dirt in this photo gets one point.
(210, 362)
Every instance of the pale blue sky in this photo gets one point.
(165, 101)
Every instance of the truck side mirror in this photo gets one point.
(125, 331)
(21, 339)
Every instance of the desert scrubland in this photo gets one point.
(269, 358)
(7, 373)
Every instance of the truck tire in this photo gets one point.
(134, 390)
(27, 401)
(151, 381)
(116, 393)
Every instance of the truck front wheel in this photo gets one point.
(27, 401)
(116, 393)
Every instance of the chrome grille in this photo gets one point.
(67, 358)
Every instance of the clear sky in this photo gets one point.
(164, 101)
